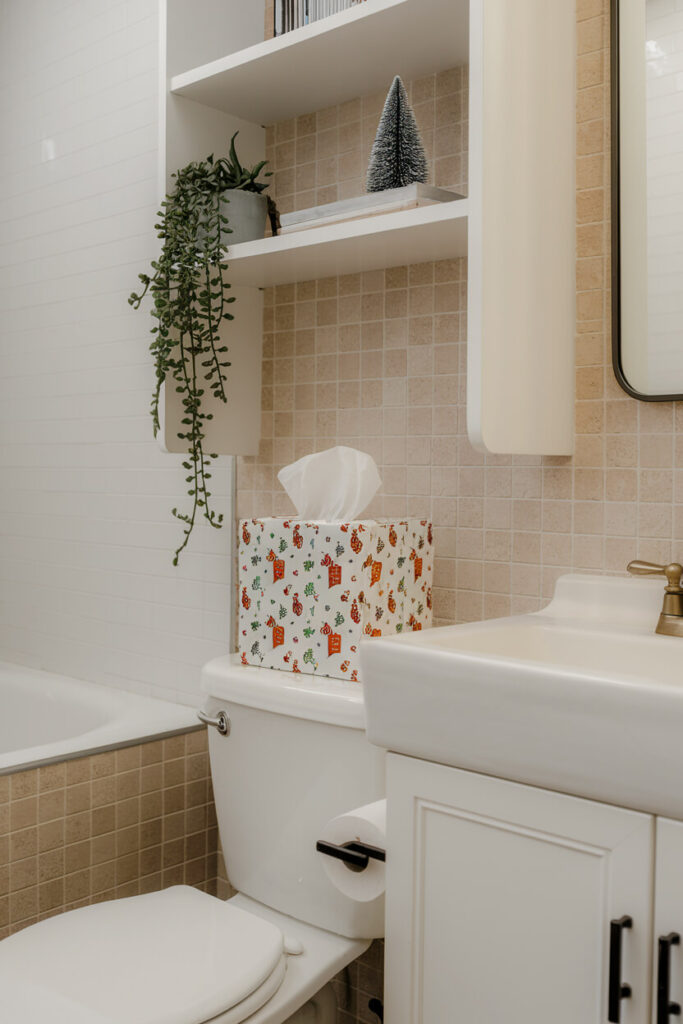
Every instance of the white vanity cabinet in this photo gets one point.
(668, 917)
(502, 903)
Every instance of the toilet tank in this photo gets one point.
(296, 756)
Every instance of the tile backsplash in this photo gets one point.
(378, 361)
(323, 157)
(106, 826)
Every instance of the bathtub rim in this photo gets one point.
(164, 719)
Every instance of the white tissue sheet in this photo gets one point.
(331, 486)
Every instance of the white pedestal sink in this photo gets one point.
(581, 697)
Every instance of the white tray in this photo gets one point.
(369, 205)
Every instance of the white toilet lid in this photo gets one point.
(173, 957)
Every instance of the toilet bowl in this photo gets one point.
(296, 756)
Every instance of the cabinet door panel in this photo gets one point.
(499, 899)
(669, 905)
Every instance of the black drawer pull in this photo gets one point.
(617, 989)
(665, 1008)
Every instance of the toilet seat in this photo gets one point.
(173, 957)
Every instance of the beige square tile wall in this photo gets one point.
(110, 825)
(379, 362)
(323, 157)
(371, 360)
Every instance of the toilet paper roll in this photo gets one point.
(365, 825)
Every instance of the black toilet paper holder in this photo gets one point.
(355, 855)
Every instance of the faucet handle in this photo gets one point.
(673, 571)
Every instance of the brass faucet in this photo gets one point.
(671, 620)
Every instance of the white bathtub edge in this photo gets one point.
(129, 719)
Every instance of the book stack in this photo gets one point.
(292, 14)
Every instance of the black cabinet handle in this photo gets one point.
(665, 1008)
(617, 990)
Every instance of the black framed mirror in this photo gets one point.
(647, 197)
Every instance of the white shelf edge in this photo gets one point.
(358, 242)
(287, 41)
(362, 227)
(332, 61)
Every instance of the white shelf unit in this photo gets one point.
(517, 226)
(355, 52)
(372, 243)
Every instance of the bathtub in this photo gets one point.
(103, 794)
(46, 718)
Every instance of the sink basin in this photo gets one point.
(582, 697)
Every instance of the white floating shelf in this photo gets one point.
(354, 53)
(387, 240)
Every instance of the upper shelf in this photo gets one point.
(419, 235)
(356, 52)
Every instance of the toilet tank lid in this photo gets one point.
(332, 701)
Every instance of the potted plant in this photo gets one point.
(243, 199)
(211, 201)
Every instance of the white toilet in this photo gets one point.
(296, 756)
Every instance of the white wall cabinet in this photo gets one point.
(522, 217)
(220, 75)
(500, 899)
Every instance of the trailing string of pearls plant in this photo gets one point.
(190, 301)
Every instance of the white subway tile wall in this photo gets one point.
(87, 587)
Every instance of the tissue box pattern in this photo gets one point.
(310, 591)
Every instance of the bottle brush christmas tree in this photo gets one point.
(398, 157)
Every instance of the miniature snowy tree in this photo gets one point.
(398, 157)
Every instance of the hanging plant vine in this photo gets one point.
(190, 302)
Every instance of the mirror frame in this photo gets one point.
(615, 85)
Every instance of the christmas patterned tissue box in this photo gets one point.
(310, 591)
